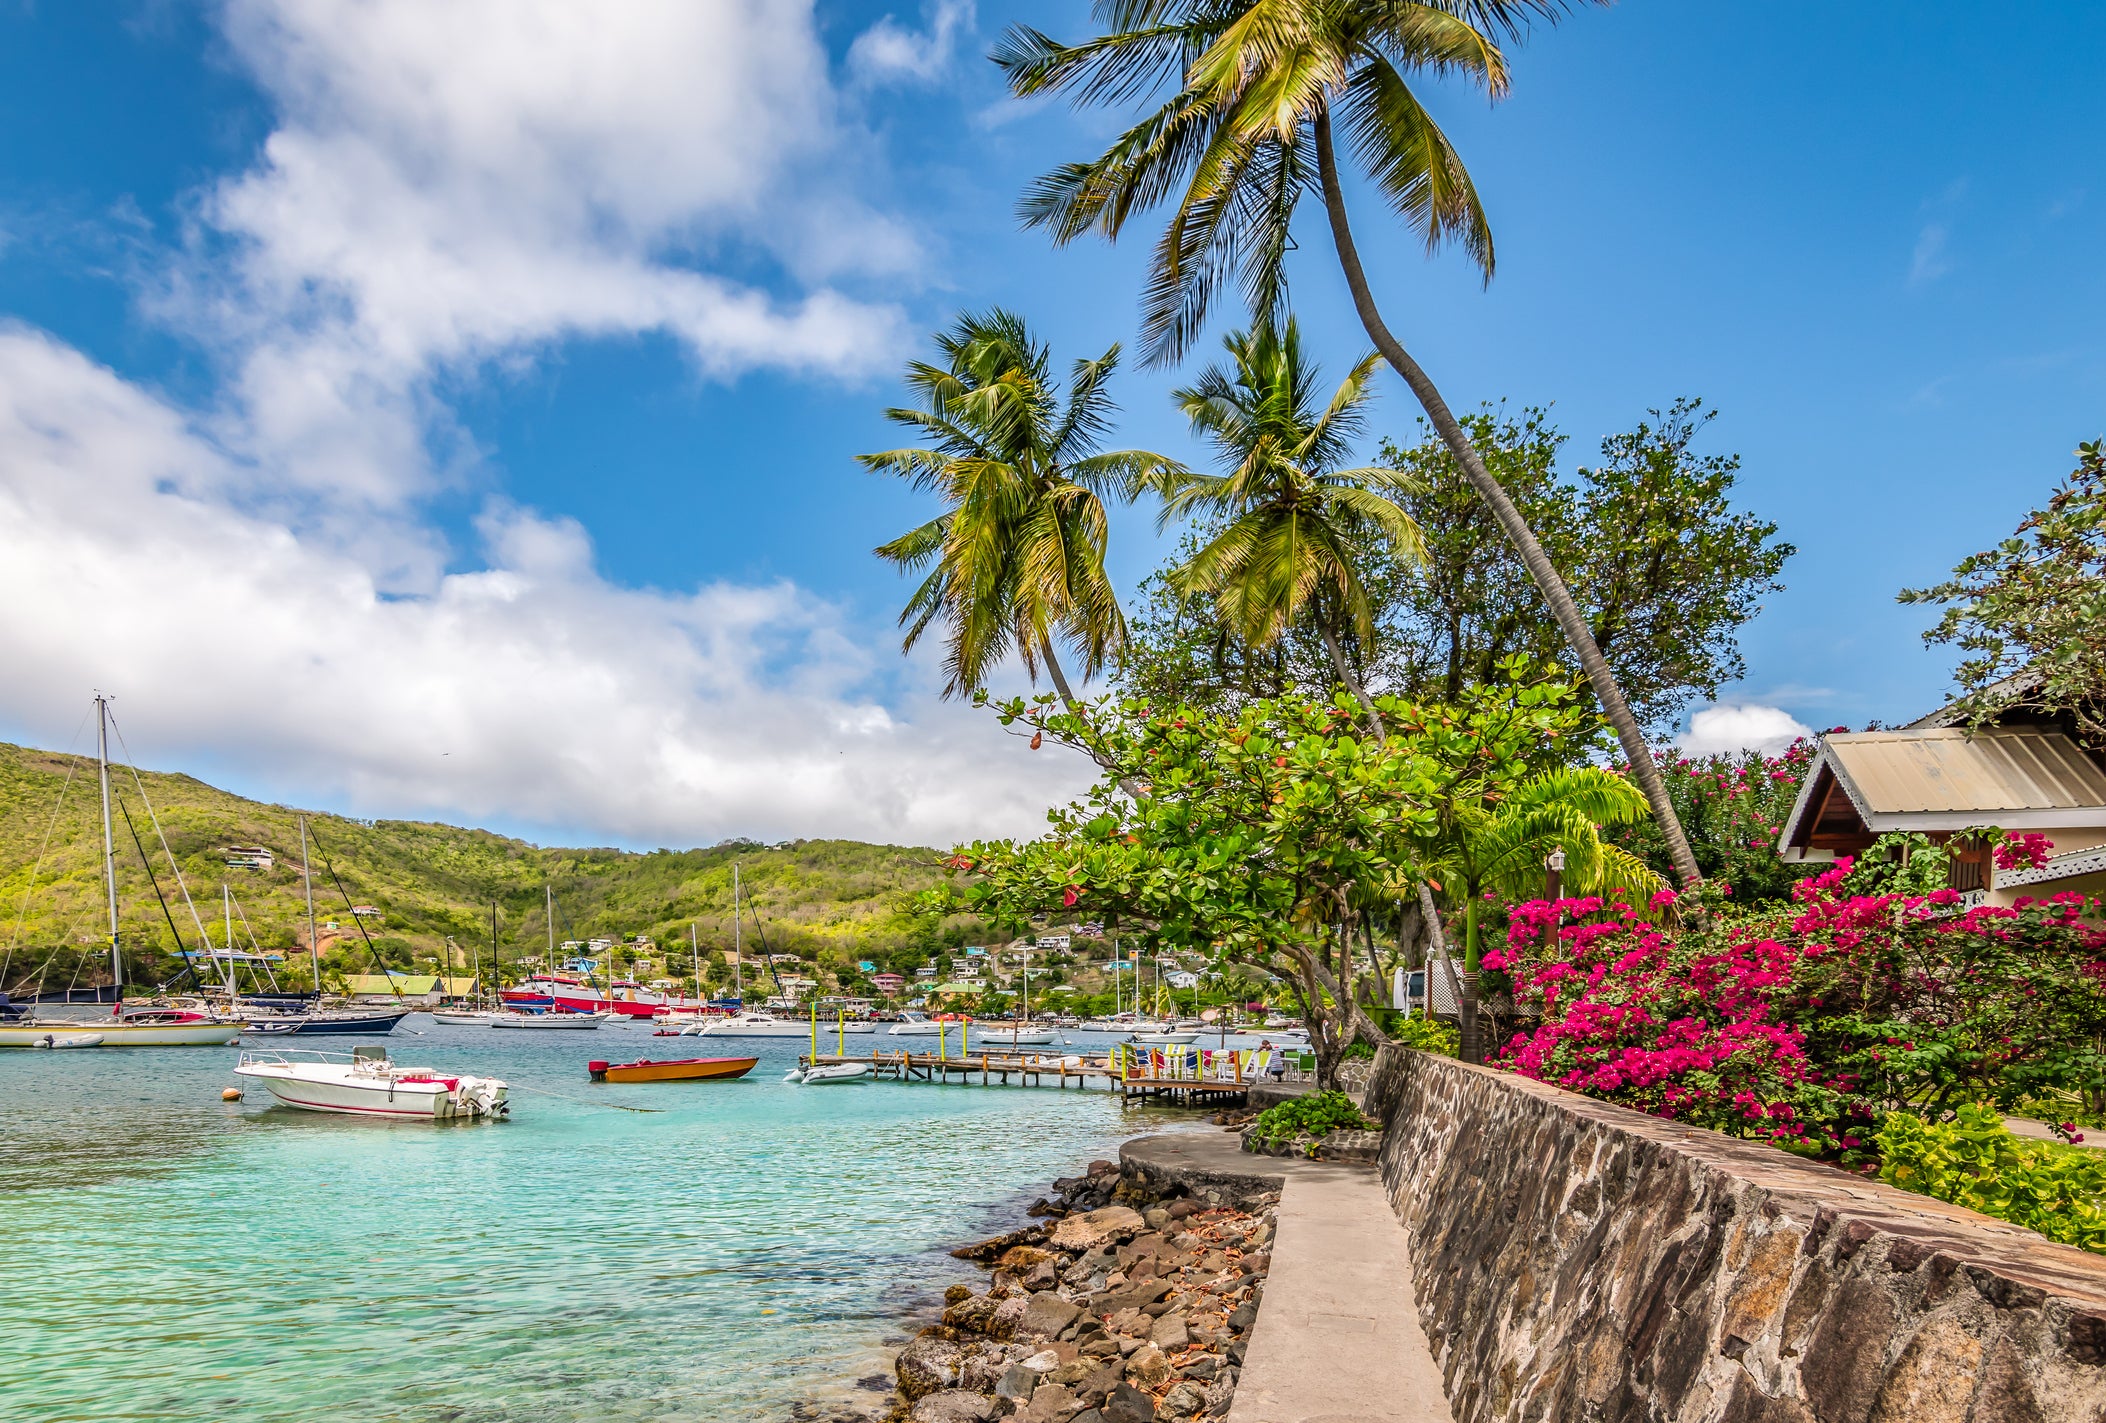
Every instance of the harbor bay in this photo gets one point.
(736, 1251)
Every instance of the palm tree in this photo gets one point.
(1288, 514)
(1019, 548)
(1248, 129)
(1500, 844)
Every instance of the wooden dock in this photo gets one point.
(1193, 1079)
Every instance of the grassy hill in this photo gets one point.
(834, 901)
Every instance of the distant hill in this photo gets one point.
(832, 900)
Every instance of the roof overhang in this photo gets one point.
(1939, 779)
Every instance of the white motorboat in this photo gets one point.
(464, 1018)
(761, 1025)
(916, 1025)
(367, 1084)
(826, 1072)
(548, 1022)
(1005, 1035)
(1167, 1039)
(53, 1040)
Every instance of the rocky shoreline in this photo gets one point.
(1118, 1304)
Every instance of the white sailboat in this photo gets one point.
(156, 1027)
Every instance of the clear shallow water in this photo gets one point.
(173, 1257)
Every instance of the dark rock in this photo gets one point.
(1205, 1366)
(956, 1293)
(1016, 1383)
(1046, 1315)
(1088, 1415)
(1103, 1168)
(1243, 1316)
(1128, 1404)
(927, 1365)
(1169, 1333)
(1178, 1210)
(1184, 1400)
(953, 1405)
(974, 1313)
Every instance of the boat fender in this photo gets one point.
(232, 1094)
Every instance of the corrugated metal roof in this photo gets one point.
(1946, 770)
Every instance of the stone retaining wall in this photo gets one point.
(1574, 1260)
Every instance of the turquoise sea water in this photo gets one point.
(173, 1257)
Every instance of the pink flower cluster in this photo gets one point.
(2028, 851)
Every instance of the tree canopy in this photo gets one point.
(1665, 566)
(2031, 613)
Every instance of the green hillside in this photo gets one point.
(834, 901)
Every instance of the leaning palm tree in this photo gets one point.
(1286, 516)
(1259, 89)
(1018, 551)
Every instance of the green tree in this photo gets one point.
(1248, 128)
(2031, 613)
(1667, 569)
(1018, 551)
(1261, 828)
(1286, 510)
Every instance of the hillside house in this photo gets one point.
(888, 984)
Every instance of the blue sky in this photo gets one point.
(450, 410)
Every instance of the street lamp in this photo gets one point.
(1554, 863)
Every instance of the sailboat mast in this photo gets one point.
(226, 907)
(694, 942)
(738, 942)
(109, 843)
(496, 978)
(314, 948)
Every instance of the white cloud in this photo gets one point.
(448, 189)
(451, 185)
(888, 51)
(1929, 261)
(1732, 727)
(530, 691)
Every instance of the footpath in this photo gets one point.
(1337, 1338)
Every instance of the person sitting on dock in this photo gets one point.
(1275, 1062)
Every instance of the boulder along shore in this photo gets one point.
(1117, 1306)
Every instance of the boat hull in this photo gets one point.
(548, 1022)
(366, 1024)
(125, 1034)
(783, 1029)
(686, 1069)
(343, 1093)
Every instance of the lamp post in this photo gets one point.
(1554, 878)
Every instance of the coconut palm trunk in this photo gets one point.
(1577, 634)
(1353, 685)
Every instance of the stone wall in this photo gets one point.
(1574, 1260)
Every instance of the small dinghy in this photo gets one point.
(53, 1040)
(828, 1072)
(686, 1069)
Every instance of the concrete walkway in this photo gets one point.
(1337, 1338)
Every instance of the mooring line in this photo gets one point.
(582, 1101)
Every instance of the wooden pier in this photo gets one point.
(1194, 1078)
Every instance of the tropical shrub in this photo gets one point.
(1973, 1160)
(1733, 808)
(1809, 1027)
(1316, 1115)
(1427, 1035)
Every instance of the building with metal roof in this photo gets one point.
(1942, 780)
